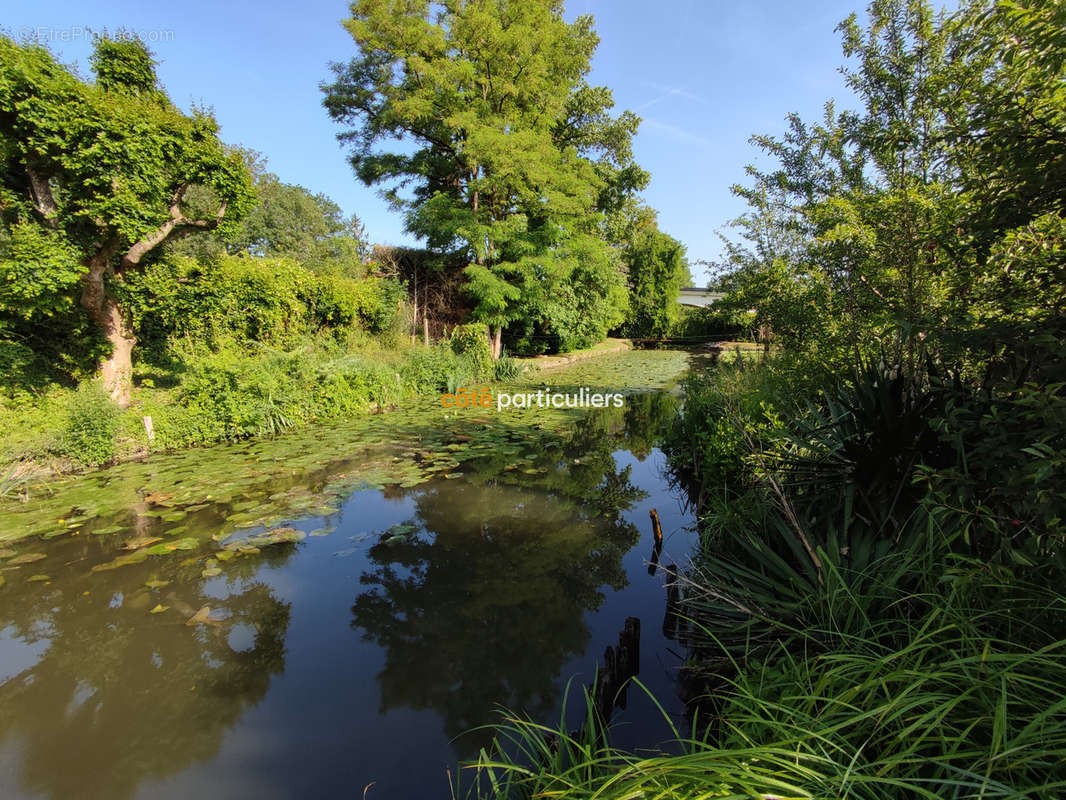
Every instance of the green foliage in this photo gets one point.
(720, 321)
(120, 158)
(515, 157)
(1006, 489)
(472, 340)
(657, 269)
(287, 221)
(272, 301)
(706, 445)
(90, 425)
(865, 438)
(38, 269)
(439, 368)
(231, 395)
(107, 171)
(124, 65)
(508, 369)
(929, 220)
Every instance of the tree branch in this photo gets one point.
(176, 225)
(43, 201)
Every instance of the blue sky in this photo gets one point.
(703, 74)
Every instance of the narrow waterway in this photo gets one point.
(337, 609)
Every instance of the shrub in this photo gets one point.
(273, 301)
(715, 321)
(231, 396)
(472, 340)
(723, 409)
(437, 369)
(88, 433)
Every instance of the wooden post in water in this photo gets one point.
(619, 665)
(653, 564)
(656, 528)
(673, 595)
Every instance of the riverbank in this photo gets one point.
(863, 533)
(352, 587)
(400, 447)
(231, 396)
(604, 348)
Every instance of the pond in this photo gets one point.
(341, 610)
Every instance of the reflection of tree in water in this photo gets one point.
(484, 605)
(648, 416)
(121, 696)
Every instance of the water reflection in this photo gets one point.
(120, 695)
(482, 605)
(485, 604)
(485, 595)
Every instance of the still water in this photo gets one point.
(337, 612)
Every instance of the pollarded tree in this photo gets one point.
(110, 170)
(507, 154)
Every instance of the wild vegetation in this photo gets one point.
(519, 174)
(140, 251)
(876, 610)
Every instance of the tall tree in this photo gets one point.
(510, 156)
(110, 170)
(871, 189)
(932, 216)
(656, 270)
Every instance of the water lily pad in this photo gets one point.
(37, 578)
(211, 572)
(156, 584)
(202, 617)
(161, 549)
(159, 609)
(135, 557)
(26, 558)
(108, 530)
(273, 536)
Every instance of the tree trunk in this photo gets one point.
(414, 313)
(497, 347)
(425, 324)
(116, 369)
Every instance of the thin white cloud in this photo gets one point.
(670, 91)
(679, 133)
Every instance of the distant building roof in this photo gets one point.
(695, 297)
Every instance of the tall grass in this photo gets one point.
(853, 639)
(960, 697)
